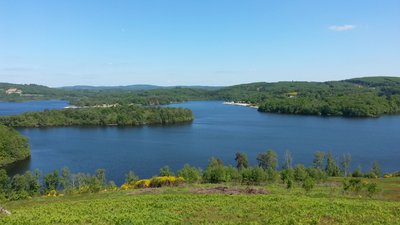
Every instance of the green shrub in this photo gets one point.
(166, 181)
(300, 173)
(130, 177)
(352, 184)
(166, 171)
(372, 188)
(308, 184)
(190, 174)
(253, 175)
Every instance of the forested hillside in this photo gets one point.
(13, 146)
(358, 97)
(114, 116)
(361, 97)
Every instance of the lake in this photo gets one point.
(12, 108)
(218, 130)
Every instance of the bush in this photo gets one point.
(111, 186)
(253, 175)
(287, 174)
(190, 174)
(289, 183)
(52, 193)
(308, 184)
(370, 175)
(166, 181)
(214, 173)
(353, 184)
(372, 188)
(357, 172)
(300, 173)
(387, 175)
(142, 183)
(166, 171)
(272, 175)
(231, 174)
(317, 174)
(130, 177)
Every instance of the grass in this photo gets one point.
(326, 204)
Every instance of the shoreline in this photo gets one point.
(94, 106)
(241, 104)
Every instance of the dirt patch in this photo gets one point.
(4, 211)
(229, 190)
(326, 220)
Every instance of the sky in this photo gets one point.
(207, 42)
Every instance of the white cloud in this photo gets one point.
(341, 27)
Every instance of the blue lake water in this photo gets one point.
(12, 108)
(218, 130)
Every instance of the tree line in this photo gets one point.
(265, 172)
(125, 115)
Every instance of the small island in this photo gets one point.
(121, 115)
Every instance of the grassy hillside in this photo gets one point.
(191, 205)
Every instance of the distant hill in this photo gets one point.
(135, 87)
(127, 87)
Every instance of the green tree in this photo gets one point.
(308, 184)
(318, 161)
(253, 175)
(345, 163)
(231, 174)
(352, 184)
(65, 179)
(288, 160)
(32, 184)
(51, 181)
(289, 183)
(241, 160)
(331, 167)
(4, 184)
(166, 171)
(101, 177)
(19, 187)
(190, 174)
(287, 174)
(372, 188)
(300, 173)
(376, 169)
(130, 177)
(317, 174)
(357, 172)
(214, 173)
(268, 160)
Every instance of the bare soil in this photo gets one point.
(229, 190)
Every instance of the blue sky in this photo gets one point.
(214, 42)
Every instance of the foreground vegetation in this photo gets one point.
(13, 146)
(180, 205)
(100, 116)
(359, 97)
(324, 166)
(218, 194)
